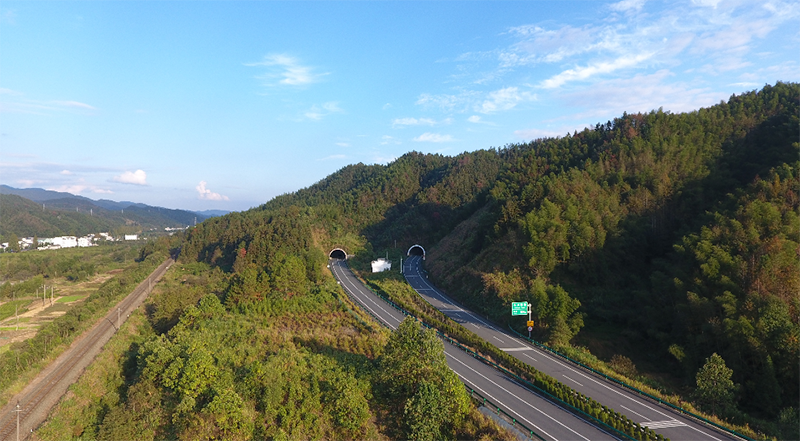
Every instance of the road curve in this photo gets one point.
(46, 389)
(540, 415)
(661, 419)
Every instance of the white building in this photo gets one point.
(381, 265)
(63, 241)
(131, 237)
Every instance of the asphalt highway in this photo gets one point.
(659, 418)
(551, 422)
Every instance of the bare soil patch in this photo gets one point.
(39, 312)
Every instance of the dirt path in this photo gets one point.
(38, 397)
(42, 311)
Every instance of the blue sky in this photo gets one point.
(225, 105)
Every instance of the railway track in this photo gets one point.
(36, 400)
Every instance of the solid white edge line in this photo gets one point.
(549, 356)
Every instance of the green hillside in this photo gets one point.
(79, 216)
(25, 218)
(659, 237)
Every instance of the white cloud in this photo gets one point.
(16, 102)
(386, 139)
(537, 133)
(714, 34)
(403, 122)
(343, 144)
(447, 102)
(642, 93)
(707, 3)
(627, 5)
(4, 91)
(433, 137)
(504, 99)
(74, 104)
(317, 112)
(102, 191)
(474, 119)
(139, 177)
(585, 72)
(70, 188)
(207, 194)
(529, 134)
(285, 70)
(66, 172)
(332, 157)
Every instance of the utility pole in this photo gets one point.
(18, 410)
(401, 265)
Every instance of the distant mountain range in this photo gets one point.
(35, 211)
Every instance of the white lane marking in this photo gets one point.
(662, 424)
(698, 430)
(554, 360)
(524, 348)
(531, 357)
(520, 399)
(344, 278)
(601, 384)
(501, 341)
(633, 411)
(570, 379)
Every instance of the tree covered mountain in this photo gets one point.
(43, 213)
(678, 233)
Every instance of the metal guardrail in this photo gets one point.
(474, 354)
(514, 422)
(472, 391)
(629, 387)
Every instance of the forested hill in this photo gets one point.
(75, 215)
(24, 218)
(672, 232)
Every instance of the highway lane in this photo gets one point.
(545, 418)
(661, 419)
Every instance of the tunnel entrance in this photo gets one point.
(416, 250)
(338, 253)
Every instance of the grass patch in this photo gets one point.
(67, 299)
(8, 309)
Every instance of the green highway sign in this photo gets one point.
(519, 308)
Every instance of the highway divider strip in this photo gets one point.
(578, 403)
(472, 391)
(630, 387)
(615, 380)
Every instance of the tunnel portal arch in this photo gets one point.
(338, 253)
(416, 250)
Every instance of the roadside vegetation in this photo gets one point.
(114, 271)
(311, 366)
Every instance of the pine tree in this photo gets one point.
(714, 385)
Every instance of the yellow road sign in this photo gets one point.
(530, 323)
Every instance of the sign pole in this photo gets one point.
(529, 321)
